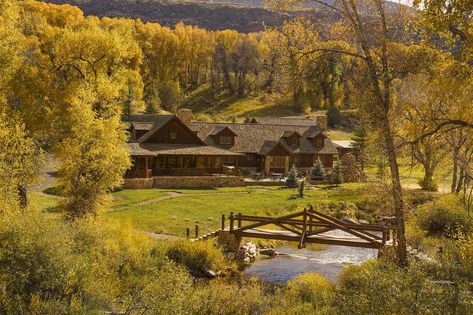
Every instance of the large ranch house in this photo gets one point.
(170, 150)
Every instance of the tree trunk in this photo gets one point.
(397, 193)
(22, 196)
(455, 170)
(461, 179)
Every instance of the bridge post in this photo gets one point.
(239, 220)
(196, 231)
(223, 221)
(188, 232)
(304, 229)
(232, 218)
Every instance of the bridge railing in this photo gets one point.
(311, 224)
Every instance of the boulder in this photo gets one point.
(268, 252)
(209, 273)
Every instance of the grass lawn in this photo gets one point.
(204, 207)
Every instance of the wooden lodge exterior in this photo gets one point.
(168, 145)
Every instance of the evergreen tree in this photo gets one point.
(317, 171)
(334, 117)
(291, 180)
(360, 138)
(337, 177)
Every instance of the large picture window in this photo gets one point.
(277, 162)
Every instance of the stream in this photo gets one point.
(292, 262)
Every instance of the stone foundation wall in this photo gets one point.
(138, 183)
(196, 182)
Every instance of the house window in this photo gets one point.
(172, 135)
(277, 162)
(319, 142)
(293, 142)
(225, 140)
(249, 157)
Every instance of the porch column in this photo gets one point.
(286, 165)
(267, 163)
(146, 167)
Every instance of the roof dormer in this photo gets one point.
(223, 135)
(292, 138)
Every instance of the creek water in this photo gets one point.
(292, 262)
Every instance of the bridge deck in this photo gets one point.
(322, 238)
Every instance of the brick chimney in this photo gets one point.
(321, 121)
(185, 115)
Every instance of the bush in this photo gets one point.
(378, 287)
(48, 266)
(317, 172)
(197, 257)
(311, 288)
(334, 117)
(428, 184)
(446, 217)
(291, 180)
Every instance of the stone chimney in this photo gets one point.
(185, 115)
(321, 121)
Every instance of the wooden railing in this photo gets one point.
(309, 226)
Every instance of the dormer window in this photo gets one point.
(294, 142)
(225, 140)
(172, 135)
(319, 142)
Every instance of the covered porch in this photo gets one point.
(183, 161)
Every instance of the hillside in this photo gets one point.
(210, 16)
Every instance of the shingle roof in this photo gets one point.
(154, 149)
(286, 121)
(346, 144)
(142, 125)
(253, 136)
(218, 129)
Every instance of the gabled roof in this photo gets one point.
(269, 145)
(162, 122)
(219, 129)
(313, 132)
(254, 137)
(288, 133)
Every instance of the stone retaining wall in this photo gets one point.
(196, 181)
(138, 183)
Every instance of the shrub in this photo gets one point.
(291, 180)
(378, 287)
(428, 184)
(301, 188)
(311, 288)
(334, 117)
(445, 217)
(197, 257)
(317, 171)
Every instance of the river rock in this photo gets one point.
(247, 260)
(209, 273)
(268, 252)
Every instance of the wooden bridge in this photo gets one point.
(309, 226)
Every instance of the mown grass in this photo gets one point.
(205, 207)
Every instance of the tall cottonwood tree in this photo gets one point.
(372, 44)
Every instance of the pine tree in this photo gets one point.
(334, 117)
(337, 177)
(360, 138)
(317, 171)
(291, 180)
